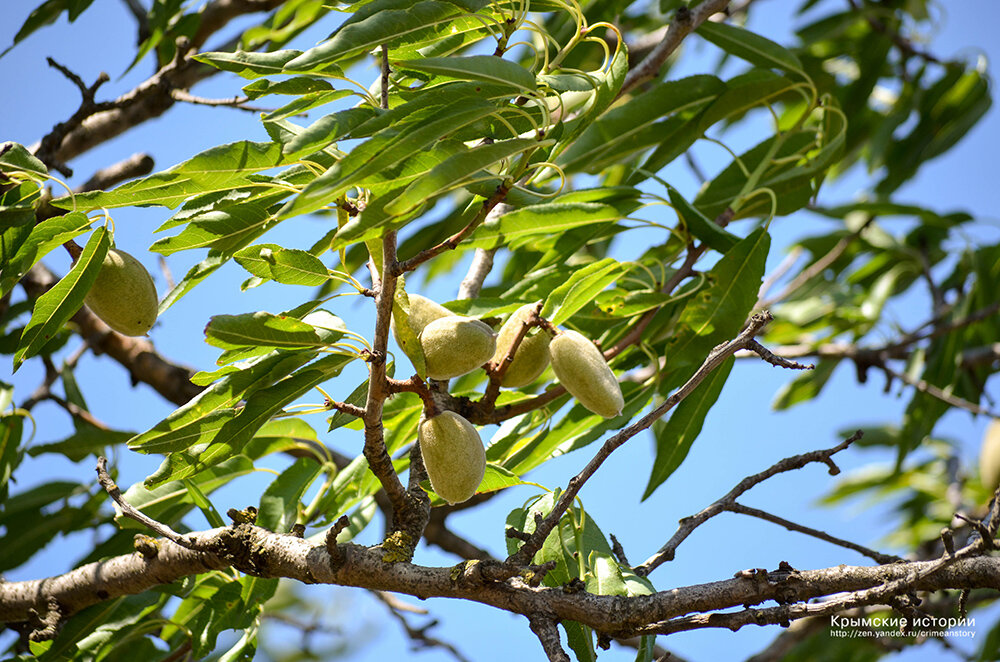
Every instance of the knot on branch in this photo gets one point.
(398, 547)
(148, 546)
(46, 624)
(332, 548)
(246, 516)
(240, 546)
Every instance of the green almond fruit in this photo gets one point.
(423, 311)
(123, 295)
(456, 345)
(581, 368)
(453, 455)
(532, 355)
(989, 456)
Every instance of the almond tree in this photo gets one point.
(506, 153)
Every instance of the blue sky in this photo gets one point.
(741, 436)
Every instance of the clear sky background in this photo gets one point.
(742, 435)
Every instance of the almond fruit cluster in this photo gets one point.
(454, 345)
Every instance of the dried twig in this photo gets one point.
(109, 486)
(689, 524)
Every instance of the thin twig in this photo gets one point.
(689, 524)
(809, 531)
(239, 103)
(685, 21)
(109, 486)
(454, 240)
(715, 359)
(774, 359)
(926, 387)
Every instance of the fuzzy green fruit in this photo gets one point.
(124, 295)
(989, 456)
(456, 345)
(453, 455)
(581, 368)
(532, 355)
(423, 311)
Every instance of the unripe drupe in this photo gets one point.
(453, 455)
(124, 295)
(581, 368)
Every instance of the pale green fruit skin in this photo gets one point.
(124, 295)
(989, 456)
(423, 311)
(454, 346)
(581, 368)
(532, 356)
(453, 455)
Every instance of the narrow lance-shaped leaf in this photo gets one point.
(699, 225)
(750, 46)
(260, 328)
(485, 68)
(44, 237)
(383, 22)
(542, 219)
(55, 307)
(457, 170)
(675, 436)
(717, 313)
(380, 152)
(581, 289)
(216, 169)
(259, 408)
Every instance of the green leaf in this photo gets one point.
(608, 139)
(382, 151)
(483, 68)
(458, 170)
(285, 265)
(44, 237)
(699, 225)
(724, 191)
(675, 437)
(717, 313)
(11, 429)
(521, 225)
(756, 87)
(254, 65)
(217, 169)
(279, 505)
(47, 13)
(260, 329)
(326, 130)
(581, 289)
(388, 22)
(223, 230)
(751, 47)
(806, 386)
(197, 420)
(55, 307)
(87, 440)
(260, 406)
(15, 157)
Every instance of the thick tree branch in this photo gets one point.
(259, 552)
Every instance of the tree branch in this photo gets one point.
(689, 524)
(713, 361)
(262, 553)
(684, 23)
